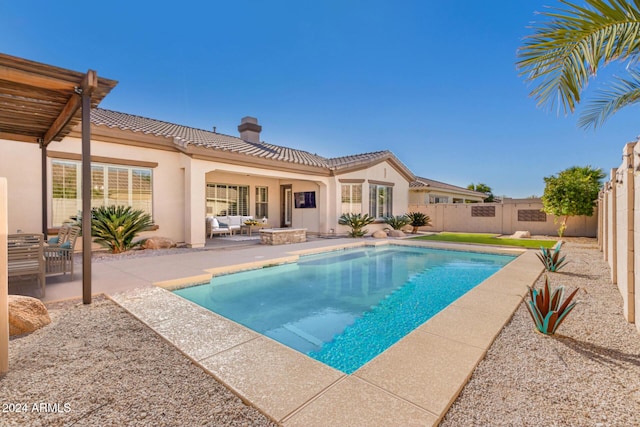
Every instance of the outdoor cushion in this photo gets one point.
(53, 240)
(235, 220)
(65, 245)
(214, 223)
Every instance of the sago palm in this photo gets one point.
(115, 227)
(569, 46)
(357, 222)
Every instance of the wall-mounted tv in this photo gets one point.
(305, 199)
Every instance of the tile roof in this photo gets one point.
(421, 182)
(185, 136)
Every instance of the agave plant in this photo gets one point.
(552, 260)
(115, 227)
(545, 308)
(357, 222)
(417, 220)
(396, 222)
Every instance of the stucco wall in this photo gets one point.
(168, 181)
(4, 277)
(621, 230)
(622, 240)
(20, 163)
(382, 172)
(457, 217)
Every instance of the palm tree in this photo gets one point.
(565, 51)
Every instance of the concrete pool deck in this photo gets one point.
(412, 383)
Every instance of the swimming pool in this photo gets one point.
(345, 307)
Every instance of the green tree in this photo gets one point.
(567, 48)
(482, 188)
(571, 192)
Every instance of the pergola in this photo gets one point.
(41, 103)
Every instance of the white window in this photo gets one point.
(223, 199)
(351, 198)
(262, 202)
(110, 185)
(380, 200)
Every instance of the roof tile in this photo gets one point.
(184, 136)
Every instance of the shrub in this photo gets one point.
(418, 219)
(115, 227)
(396, 222)
(357, 222)
(551, 260)
(545, 308)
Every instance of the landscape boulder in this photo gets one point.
(158, 243)
(380, 234)
(396, 233)
(521, 235)
(26, 314)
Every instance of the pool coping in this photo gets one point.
(412, 383)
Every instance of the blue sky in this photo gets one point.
(434, 82)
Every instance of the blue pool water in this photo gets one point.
(344, 308)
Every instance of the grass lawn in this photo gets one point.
(487, 239)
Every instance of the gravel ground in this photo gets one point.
(587, 375)
(112, 370)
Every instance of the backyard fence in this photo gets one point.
(619, 229)
(503, 218)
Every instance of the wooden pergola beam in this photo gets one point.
(14, 75)
(88, 85)
(18, 137)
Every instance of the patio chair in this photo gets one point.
(214, 227)
(62, 235)
(59, 256)
(25, 257)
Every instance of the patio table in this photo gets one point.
(248, 229)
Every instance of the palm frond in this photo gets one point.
(567, 49)
(621, 93)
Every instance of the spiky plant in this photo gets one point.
(546, 309)
(396, 222)
(552, 260)
(357, 222)
(417, 220)
(115, 227)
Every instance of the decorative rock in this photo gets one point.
(158, 243)
(521, 235)
(396, 233)
(380, 234)
(26, 314)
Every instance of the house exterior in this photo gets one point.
(424, 191)
(181, 174)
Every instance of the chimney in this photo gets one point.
(250, 129)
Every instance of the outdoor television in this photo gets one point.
(305, 199)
